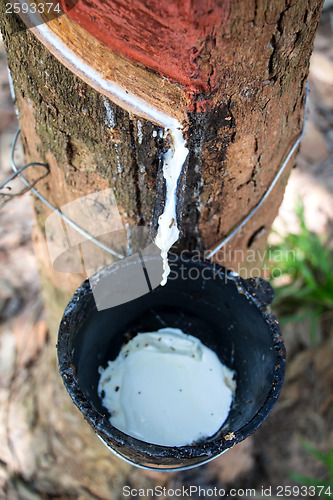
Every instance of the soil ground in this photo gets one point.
(305, 407)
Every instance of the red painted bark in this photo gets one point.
(164, 36)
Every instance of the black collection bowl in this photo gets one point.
(228, 314)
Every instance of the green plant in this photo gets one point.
(327, 460)
(304, 288)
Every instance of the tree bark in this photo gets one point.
(240, 97)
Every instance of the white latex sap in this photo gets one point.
(168, 232)
(167, 388)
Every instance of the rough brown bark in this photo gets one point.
(239, 131)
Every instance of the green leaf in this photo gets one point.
(307, 263)
(309, 481)
(313, 451)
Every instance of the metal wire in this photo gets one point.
(269, 190)
(56, 210)
(16, 174)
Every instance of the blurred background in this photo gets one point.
(295, 445)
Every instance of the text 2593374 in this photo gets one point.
(32, 8)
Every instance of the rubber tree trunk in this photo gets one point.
(236, 83)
